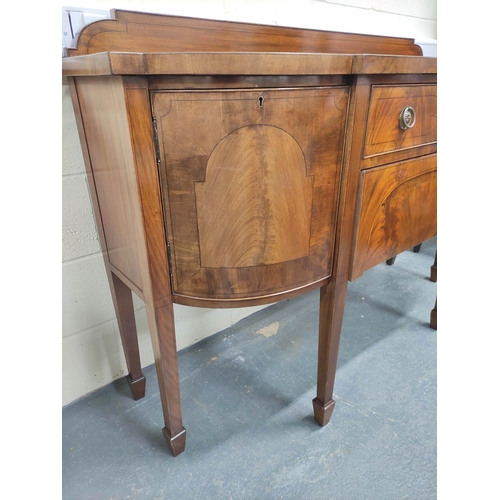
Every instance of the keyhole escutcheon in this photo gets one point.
(261, 102)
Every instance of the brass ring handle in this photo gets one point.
(407, 118)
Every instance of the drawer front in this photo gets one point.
(384, 132)
(397, 209)
(251, 182)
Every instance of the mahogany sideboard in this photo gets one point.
(234, 164)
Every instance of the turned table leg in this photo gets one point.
(124, 308)
(331, 311)
(162, 329)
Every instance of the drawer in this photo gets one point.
(384, 132)
(397, 207)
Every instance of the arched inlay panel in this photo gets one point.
(397, 211)
(250, 181)
(260, 200)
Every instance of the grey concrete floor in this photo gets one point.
(246, 402)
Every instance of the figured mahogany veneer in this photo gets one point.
(397, 208)
(141, 32)
(250, 193)
(384, 134)
(233, 164)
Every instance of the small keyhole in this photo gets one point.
(261, 102)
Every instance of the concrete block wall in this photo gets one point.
(92, 355)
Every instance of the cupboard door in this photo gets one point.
(397, 209)
(250, 184)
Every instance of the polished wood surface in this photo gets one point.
(143, 32)
(396, 65)
(199, 63)
(433, 278)
(397, 210)
(104, 114)
(233, 162)
(120, 288)
(434, 270)
(386, 103)
(240, 63)
(126, 321)
(433, 319)
(227, 179)
(152, 213)
(331, 312)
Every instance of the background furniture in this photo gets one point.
(391, 261)
(233, 164)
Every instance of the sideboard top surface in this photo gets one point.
(247, 63)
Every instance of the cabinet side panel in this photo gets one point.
(105, 122)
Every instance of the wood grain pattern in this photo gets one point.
(128, 332)
(141, 32)
(141, 135)
(380, 65)
(120, 294)
(244, 142)
(263, 191)
(234, 63)
(386, 103)
(104, 114)
(242, 63)
(265, 168)
(235, 82)
(355, 131)
(331, 312)
(397, 211)
(94, 64)
(227, 63)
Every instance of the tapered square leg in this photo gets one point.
(176, 443)
(124, 308)
(137, 386)
(323, 412)
(434, 312)
(434, 316)
(331, 311)
(162, 329)
(434, 269)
